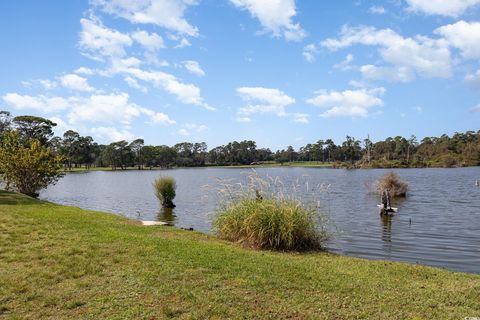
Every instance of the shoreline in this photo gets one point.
(292, 165)
(210, 233)
(156, 223)
(69, 263)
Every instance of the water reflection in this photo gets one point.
(387, 219)
(386, 227)
(167, 215)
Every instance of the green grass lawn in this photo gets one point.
(61, 262)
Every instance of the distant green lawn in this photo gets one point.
(62, 262)
(312, 164)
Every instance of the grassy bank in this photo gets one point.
(66, 263)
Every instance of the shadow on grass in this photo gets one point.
(12, 198)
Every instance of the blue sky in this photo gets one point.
(280, 72)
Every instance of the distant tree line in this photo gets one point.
(461, 149)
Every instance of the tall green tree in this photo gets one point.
(69, 146)
(28, 168)
(351, 149)
(150, 155)
(118, 154)
(166, 156)
(31, 127)
(137, 148)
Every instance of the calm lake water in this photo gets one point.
(438, 224)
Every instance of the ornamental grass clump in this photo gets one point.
(270, 220)
(391, 181)
(165, 190)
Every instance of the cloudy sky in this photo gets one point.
(280, 72)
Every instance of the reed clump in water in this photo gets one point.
(392, 182)
(165, 190)
(267, 219)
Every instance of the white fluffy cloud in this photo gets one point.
(61, 125)
(168, 14)
(183, 132)
(43, 83)
(450, 8)
(112, 134)
(84, 70)
(196, 127)
(151, 41)
(194, 68)
(191, 128)
(392, 74)
(405, 58)
(345, 64)
(275, 17)
(75, 82)
(99, 41)
(48, 84)
(464, 36)
(122, 65)
(133, 83)
(185, 93)
(309, 52)
(300, 117)
(112, 108)
(105, 44)
(473, 79)
(244, 119)
(348, 103)
(157, 117)
(38, 103)
(264, 100)
(377, 10)
(133, 75)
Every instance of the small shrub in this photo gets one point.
(269, 220)
(392, 182)
(165, 190)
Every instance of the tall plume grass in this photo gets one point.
(392, 182)
(263, 214)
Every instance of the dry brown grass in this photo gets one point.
(392, 182)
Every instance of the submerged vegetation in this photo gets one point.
(393, 183)
(165, 191)
(260, 215)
